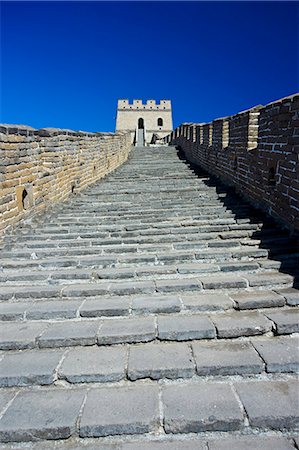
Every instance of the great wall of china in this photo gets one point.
(149, 295)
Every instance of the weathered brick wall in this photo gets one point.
(257, 151)
(41, 167)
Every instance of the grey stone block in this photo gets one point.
(105, 306)
(127, 330)
(45, 414)
(15, 336)
(286, 321)
(37, 291)
(5, 397)
(54, 309)
(155, 304)
(237, 266)
(258, 299)
(207, 302)
(235, 324)
(281, 354)
(197, 268)
(190, 444)
(94, 364)
(132, 287)
(64, 334)
(226, 358)
(120, 410)
(291, 295)
(13, 311)
(85, 290)
(223, 282)
(182, 328)
(270, 404)
(7, 292)
(251, 443)
(160, 360)
(29, 367)
(154, 270)
(175, 285)
(264, 279)
(73, 444)
(199, 407)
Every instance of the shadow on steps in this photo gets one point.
(281, 244)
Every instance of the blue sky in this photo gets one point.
(65, 64)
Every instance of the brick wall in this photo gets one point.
(41, 167)
(257, 151)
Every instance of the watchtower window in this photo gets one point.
(160, 122)
(140, 123)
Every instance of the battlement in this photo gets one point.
(124, 104)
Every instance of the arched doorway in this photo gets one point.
(140, 124)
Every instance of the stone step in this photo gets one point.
(153, 360)
(61, 412)
(55, 308)
(90, 329)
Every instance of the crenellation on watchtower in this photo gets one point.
(154, 118)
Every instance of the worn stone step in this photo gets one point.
(189, 407)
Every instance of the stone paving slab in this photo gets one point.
(85, 290)
(286, 321)
(280, 354)
(160, 360)
(188, 284)
(291, 295)
(157, 304)
(206, 302)
(226, 358)
(201, 407)
(252, 443)
(103, 416)
(46, 414)
(223, 282)
(269, 279)
(190, 444)
(127, 330)
(14, 335)
(105, 306)
(5, 397)
(54, 309)
(235, 324)
(13, 310)
(29, 367)
(258, 299)
(94, 364)
(183, 328)
(270, 404)
(65, 334)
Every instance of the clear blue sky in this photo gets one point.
(65, 64)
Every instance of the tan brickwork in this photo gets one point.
(257, 151)
(41, 167)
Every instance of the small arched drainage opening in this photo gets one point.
(235, 164)
(24, 196)
(271, 177)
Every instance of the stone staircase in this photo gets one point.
(154, 310)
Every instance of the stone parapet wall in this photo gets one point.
(256, 151)
(39, 168)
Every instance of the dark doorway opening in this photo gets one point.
(140, 124)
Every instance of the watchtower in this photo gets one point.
(146, 122)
